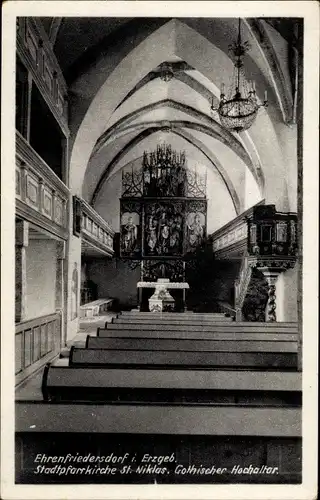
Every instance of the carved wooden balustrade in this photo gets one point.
(35, 51)
(41, 197)
(230, 241)
(241, 287)
(95, 232)
(36, 342)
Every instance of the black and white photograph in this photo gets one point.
(162, 228)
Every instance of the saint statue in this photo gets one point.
(175, 234)
(195, 231)
(151, 234)
(129, 236)
(164, 234)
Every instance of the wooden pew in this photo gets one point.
(266, 433)
(181, 359)
(203, 335)
(190, 345)
(199, 328)
(175, 320)
(169, 321)
(204, 323)
(69, 383)
(162, 420)
(196, 317)
(172, 314)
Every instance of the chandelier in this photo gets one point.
(239, 106)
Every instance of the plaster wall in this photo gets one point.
(287, 295)
(114, 278)
(41, 260)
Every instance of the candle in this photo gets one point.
(265, 96)
(222, 88)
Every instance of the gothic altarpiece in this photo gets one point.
(163, 214)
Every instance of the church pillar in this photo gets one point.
(73, 263)
(60, 287)
(21, 242)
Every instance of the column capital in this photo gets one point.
(271, 274)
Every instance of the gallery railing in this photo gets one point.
(36, 342)
(95, 231)
(35, 51)
(41, 197)
(231, 239)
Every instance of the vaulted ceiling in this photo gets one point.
(120, 106)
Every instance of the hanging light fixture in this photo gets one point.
(166, 72)
(238, 107)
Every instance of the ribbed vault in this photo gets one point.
(121, 103)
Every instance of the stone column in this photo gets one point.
(60, 288)
(22, 241)
(271, 276)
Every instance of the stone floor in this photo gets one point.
(88, 326)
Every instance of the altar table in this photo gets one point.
(162, 300)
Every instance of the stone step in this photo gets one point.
(191, 345)
(239, 336)
(180, 360)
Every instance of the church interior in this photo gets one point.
(158, 258)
